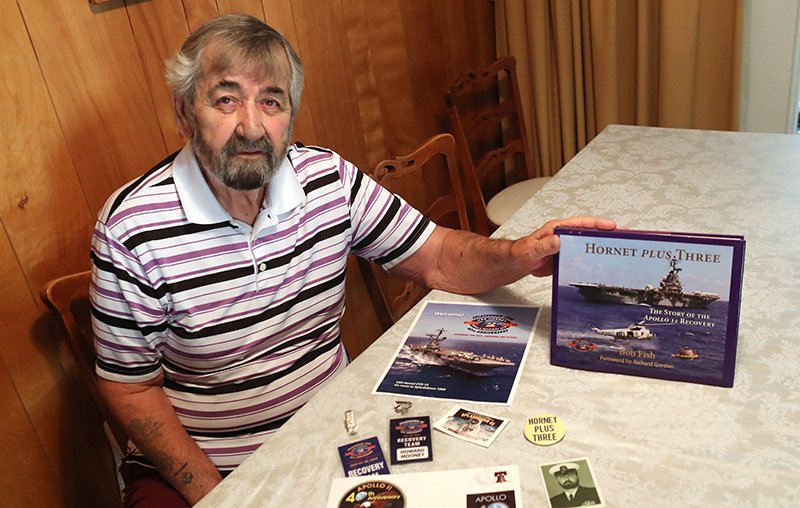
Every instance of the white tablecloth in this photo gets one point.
(651, 442)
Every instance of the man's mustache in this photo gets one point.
(239, 144)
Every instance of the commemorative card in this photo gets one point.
(495, 486)
(410, 439)
(471, 426)
(363, 458)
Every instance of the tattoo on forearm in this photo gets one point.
(469, 246)
(145, 428)
(150, 431)
(185, 478)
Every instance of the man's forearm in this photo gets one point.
(471, 263)
(462, 262)
(150, 421)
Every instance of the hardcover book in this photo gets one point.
(647, 303)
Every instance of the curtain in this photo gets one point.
(584, 64)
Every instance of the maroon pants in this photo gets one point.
(146, 488)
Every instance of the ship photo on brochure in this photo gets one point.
(648, 303)
(462, 351)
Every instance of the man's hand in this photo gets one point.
(540, 246)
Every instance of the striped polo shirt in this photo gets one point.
(243, 321)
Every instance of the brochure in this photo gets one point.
(462, 351)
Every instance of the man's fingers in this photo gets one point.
(577, 221)
(586, 222)
(543, 243)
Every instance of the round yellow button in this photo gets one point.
(544, 429)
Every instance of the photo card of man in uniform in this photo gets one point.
(570, 483)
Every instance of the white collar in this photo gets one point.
(284, 192)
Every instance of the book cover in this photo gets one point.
(648, 303)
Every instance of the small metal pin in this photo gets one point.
(402, 406)
(350, 422)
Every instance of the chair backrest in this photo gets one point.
(489, 129)
(68, 297)
(429, 180)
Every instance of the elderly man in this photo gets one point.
(219, 274)
(574, 494)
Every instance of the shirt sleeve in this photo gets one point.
(386, 229)
(128, 319)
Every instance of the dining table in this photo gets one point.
(650, 442)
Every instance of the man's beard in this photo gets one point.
(237, 172)
(569, 484)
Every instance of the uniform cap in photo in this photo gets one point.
(563, 468)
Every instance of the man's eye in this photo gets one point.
(271, 104)
(226, 103)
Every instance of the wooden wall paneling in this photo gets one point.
(43, 209)
(199, 11)
(329, 78)
(484, 43)
(424, 40)
(159, 29)
(46, 216)
(470, 40)
(369, 107)
(25, 480)
(81, 418)
(278, 15)
(251, 7)
(393, 78)
(30, 351)
(96, 82)
(360, 325)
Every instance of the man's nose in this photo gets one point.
(250, 126)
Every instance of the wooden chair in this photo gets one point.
(429, 180)
(492, 143)
(68, 297)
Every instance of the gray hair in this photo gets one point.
(241, 40)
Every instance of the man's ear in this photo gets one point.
(182, 117)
